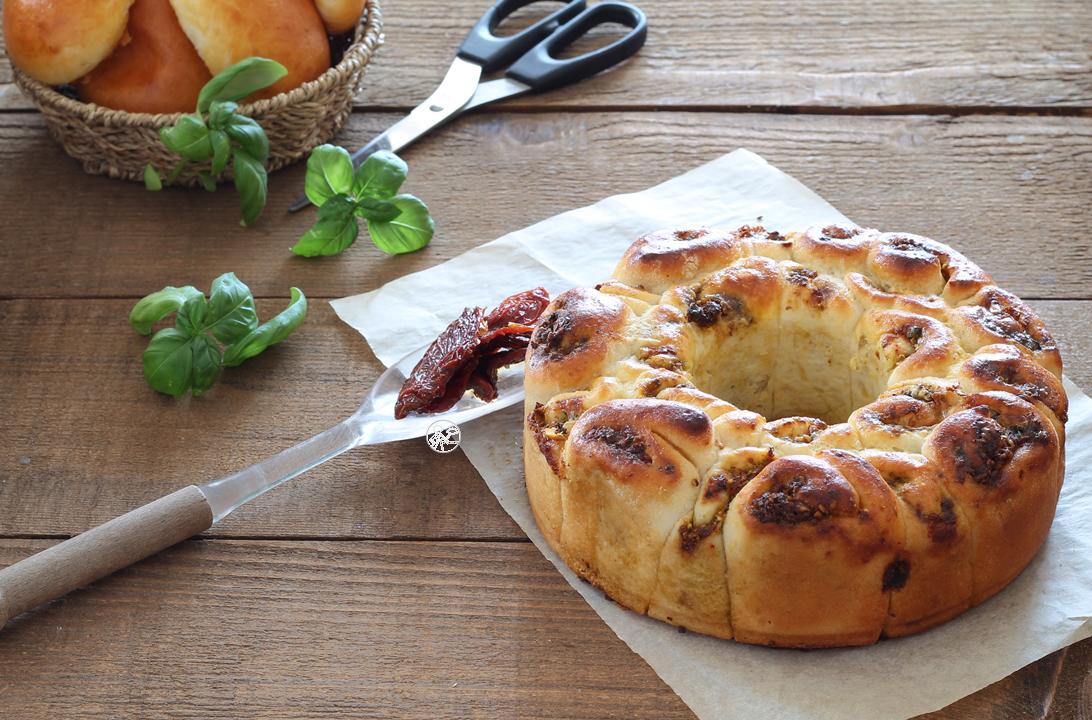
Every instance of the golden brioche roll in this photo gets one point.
(58, 41)
(930, 580)
(822, 528)
(1002, 462)
(994, 315)
(692, 577)
(666, 258)
(288, 31)
(340, 16)
(155, 69)
(635, 472)
(742, 301)
(579, 333)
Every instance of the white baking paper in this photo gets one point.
(1048, 607)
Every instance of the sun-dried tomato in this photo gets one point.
(447, 354)
(520, 309)
(469, 353)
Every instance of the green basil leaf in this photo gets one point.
(336, 229)
(329, 172)
(374, 210)
(251, 182)
(250, 136)
(191, 316)
(338, 207)
(237, 81)
(168, 362)
(152, 181)
(220, 113)
(327, 237)
(159, 305)
(231, 314)
(410, 231)
(206, 363)
(189, 138)
(278, 328)
(221, 150)
(206, 181)
(380, 175)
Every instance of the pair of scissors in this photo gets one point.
(529, 55)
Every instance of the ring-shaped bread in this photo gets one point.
(808, 440)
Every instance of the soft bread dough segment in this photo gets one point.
(692, 583)
(930, 578)
(737, 308)
(812, 376)
(1001, 461)
(904, 416)
(581, 333)
(59, 41)
(822, 528)
(805, 440)
(630, 474)
(995, 316)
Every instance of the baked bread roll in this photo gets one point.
(59, 41)
(154, 69)
(808, 440)
(340, 16)
(288, 31)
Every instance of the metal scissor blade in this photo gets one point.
(448, 100)
(454, 92)
(494, 90)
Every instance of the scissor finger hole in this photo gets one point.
(525, 17)
(594, 39)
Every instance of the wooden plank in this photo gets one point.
(405, 629)
(1072, 699)
(816, 53)
(1027, 694)
(1010, 192)
(87, 439)
(68, 365)
(337, 629)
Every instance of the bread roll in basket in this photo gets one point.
(75, 58)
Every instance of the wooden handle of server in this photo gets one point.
(102, 550)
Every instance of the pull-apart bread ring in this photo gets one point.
(808, 440)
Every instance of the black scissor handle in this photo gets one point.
(542, 71)
(492, 52)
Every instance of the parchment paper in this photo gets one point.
(1048, 607)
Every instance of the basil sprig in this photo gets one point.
(218, 132)
(188, 357)
(396, 223)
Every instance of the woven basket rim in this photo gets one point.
(367, 37)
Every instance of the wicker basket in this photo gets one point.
(119, 144)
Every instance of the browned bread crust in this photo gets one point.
(58, 41)
(154, 69)
(289, 31)
(806, 440)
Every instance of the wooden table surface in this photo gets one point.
(389, 582)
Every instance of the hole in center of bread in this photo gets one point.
(802, 365)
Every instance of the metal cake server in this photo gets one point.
(158, 525)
